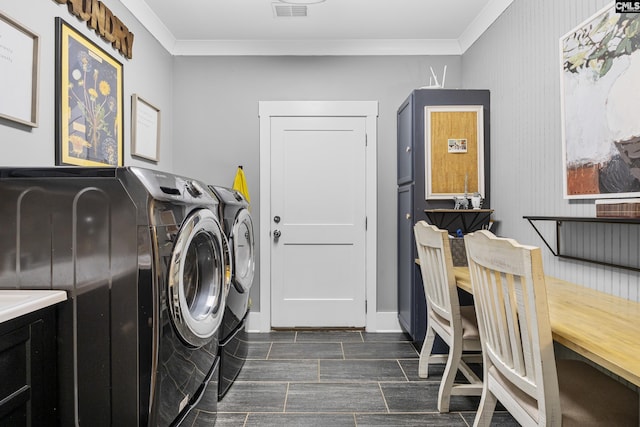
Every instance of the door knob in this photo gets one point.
(276, 234)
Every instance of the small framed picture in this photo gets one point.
(19, 51)
(457, 145)
(145, 129)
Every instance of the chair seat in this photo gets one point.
(588, 397)
(469, 322)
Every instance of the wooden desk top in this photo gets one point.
(599, 326)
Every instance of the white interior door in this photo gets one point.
(318, 221)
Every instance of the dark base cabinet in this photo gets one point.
(28, 370)
(411, 198)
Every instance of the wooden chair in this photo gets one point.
(520, 369)
(456, 325)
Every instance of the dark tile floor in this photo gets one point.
(339, 378)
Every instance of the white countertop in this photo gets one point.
(18, 302)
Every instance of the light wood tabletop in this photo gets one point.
(598, 326)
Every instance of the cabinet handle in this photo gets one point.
(408, 149)
(408, 216)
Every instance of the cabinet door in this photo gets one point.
(406, 260)
(405, 143)
(27, 369)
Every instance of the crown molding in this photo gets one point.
(315, 47)
(150, 21)
(483, 21)
(350, 47)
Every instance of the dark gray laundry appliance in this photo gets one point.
(238, 226)
(146, 265)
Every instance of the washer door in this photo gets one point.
(243, 251)
(198, 278)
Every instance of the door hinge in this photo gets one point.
(366, 140)
(366, 306)
(366, 223)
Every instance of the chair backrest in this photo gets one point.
(513, 317)
(436, 266)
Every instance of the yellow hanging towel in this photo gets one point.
(240, 184)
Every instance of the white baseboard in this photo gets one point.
(385, 321)
(255, 323)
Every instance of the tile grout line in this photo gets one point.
(463, 420)
(286, 397)
(402, 369)
(269, 351)
(384, 399)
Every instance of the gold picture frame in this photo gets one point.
(19, 53)
(89, 106)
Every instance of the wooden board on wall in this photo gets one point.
(451, 167)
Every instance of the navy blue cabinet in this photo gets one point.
(411, 193)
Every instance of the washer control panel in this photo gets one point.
(166, 186)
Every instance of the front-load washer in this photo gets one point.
(146, 265)
(194, 255)
(238, 226)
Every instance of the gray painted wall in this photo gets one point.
(149, 74)
(209, 109)
(209, 120)
(217, 128)
(518, 59)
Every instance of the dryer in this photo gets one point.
(146, 265)
(238, 225)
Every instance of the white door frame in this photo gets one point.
(269, 109)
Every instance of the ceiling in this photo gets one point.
(333, 27)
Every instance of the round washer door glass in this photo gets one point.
(197, 279)
(243, 251)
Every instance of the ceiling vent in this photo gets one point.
(281, 10)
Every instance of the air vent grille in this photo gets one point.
(289, 10)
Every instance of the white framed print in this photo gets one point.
(145, 129)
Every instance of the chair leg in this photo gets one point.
(425, 353)
(485, 409)
(449, 376)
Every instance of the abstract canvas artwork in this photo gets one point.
(600, 83)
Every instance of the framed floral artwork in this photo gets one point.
(600, 80)
(89, 102)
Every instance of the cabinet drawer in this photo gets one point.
(28, 370)
(15, 390)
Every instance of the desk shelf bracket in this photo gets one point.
(558, 251)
